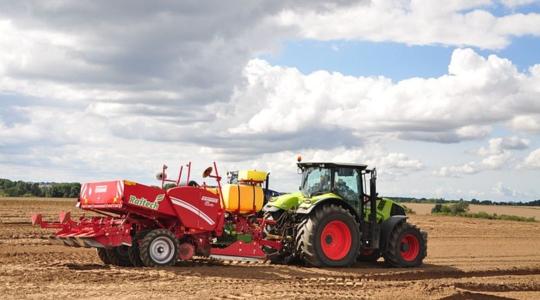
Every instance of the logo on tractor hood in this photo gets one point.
(145, 203)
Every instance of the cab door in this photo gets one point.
(348, 184)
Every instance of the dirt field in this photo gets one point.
(467, 259)
(523, 211)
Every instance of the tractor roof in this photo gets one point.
(331, 164)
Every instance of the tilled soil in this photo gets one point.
(467, 259)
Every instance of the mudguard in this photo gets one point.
(307, 210)
(387, 226)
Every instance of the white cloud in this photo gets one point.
(458, 171)
(389, 164)
(499, 145)
(444, 109)
(529, 123)
(533, 159)
(398, 161)
(496, 161)
(418, 22)
(495, 156)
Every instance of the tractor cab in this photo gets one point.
(344, 180)
(352, 185)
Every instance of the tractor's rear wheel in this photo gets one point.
(159, 247)
(102, 253)
(134, 252)
(329, 237)
(406, 246)
(118, 256)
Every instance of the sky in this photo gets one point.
(442, 97)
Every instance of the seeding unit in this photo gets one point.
(147, 225)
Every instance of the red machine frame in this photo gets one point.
(194, 214)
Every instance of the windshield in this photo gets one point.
(316, 181)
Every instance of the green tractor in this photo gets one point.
(334, 220)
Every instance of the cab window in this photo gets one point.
(346, 183)
(316, 181)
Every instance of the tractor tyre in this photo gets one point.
(133, 251)
(102, 253)
(118, 256)
(369, 256)
(329, 237)
(276, 259)
(158, 248)
(406, 246)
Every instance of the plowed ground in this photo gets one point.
(467, 259)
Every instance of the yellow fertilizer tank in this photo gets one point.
(242, 198)
(252, 175)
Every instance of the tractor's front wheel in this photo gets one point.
(159, 247)
(329, 237)
(406, 246)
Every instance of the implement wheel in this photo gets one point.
(118, 256)
(102, 253)
(159, 247)
(406, 246)
(134, 252)
(329, 237)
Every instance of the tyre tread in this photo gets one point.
(306, 236)
(392, 256)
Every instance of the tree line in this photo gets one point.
(472, 201)
(19, 188)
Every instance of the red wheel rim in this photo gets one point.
(409, 247)
(336, 240)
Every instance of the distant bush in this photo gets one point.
(451, 209)
(408, 210)
(461, 209)
(437, 209)
(485, 215)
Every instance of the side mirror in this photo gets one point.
(207, 172)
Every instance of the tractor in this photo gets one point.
(336, 219)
